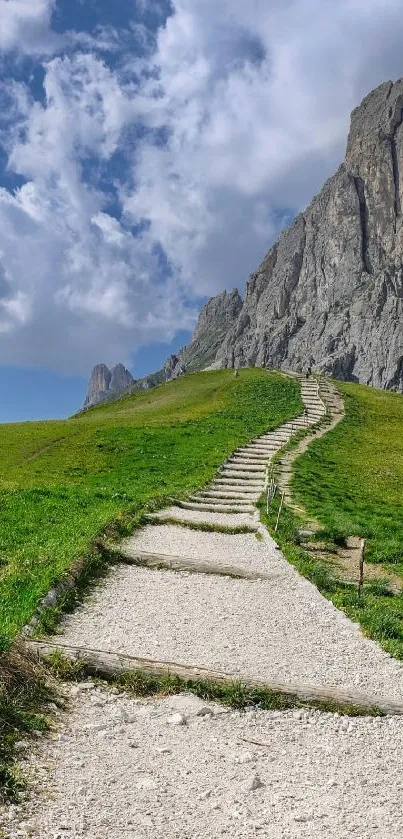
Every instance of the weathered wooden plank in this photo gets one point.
(110, 665)
(144, 559)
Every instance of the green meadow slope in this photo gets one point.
(63, 482)
(351, 480)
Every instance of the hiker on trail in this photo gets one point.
(308, 372)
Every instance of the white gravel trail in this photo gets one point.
(281, 630)
(119, 768)
(241, 550)
(199, 517)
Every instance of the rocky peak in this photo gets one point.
(121, 379)
(107, 384)
(329, 293)
(216, 318)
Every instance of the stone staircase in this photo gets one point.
(243, 477)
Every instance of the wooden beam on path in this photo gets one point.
(110, 665)
(144, 559)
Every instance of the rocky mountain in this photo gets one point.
(216, 320)
(329, 293)
(106, 385)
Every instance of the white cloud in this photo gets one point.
(253, 99)
(25, 26)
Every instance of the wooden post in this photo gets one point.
(361, 568)
(279, 512)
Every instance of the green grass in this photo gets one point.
(26, 700)
(62, 483)
(351, 481)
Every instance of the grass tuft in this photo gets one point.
(25, 694)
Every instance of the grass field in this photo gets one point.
(351, 480)
(62, 482)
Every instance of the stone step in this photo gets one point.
(260, 449)
(247, 465)
(246, 486)
(237, 495)
(259, 453)
(216, 507)
(234, 495)
(241, 474)
(209, 498)
(257, 458)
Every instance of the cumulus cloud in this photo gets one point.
(165, 175)
(25, 26)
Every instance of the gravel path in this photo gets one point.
(120, 768)
(124, 769)
(282, 630)
(241, 550)
(223, 519)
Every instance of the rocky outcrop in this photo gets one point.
(329, 293)
(215, 321)
(106, 385)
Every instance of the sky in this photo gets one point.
(150, 153)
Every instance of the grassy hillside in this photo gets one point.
(62, 482)
(351, 480)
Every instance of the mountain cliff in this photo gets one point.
(216, 319)
(106, 385)
(329, 293)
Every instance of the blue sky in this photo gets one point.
(150, 153)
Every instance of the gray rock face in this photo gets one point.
(215, 321)
(121, 379)
(329, 293)
(106, 384)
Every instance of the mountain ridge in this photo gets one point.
(329, 292)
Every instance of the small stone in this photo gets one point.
(177, 719)
(146, 783)
(163, 750)
(203, 796)
(252, 784)
(205, 711)
(96, 726)
(21, 744)
(51, 598)
(83, 686)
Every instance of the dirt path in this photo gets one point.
(121, 767)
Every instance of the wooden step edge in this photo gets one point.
(215, 508)
(168, 562)
(111, 665)
(157, 519)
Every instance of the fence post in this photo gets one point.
(279, 512)
(361, 568)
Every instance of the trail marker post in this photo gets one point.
(361, 568)
(279, 512)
